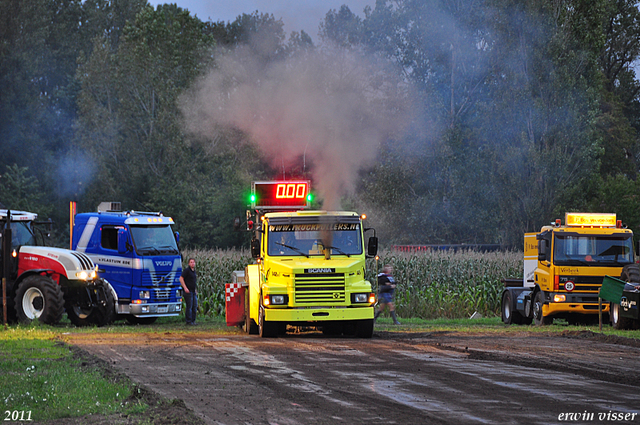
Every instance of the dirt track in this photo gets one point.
(448, 378)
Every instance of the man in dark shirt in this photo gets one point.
(386, 288)
(188, 280)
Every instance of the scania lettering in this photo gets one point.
(137, 252)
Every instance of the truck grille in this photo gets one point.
(162, 294)
(583, 283)
(327, 288)
(161, 279)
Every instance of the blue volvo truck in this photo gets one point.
(138, 254)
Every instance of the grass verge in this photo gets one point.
(43, 379)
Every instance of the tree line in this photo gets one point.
(512, 113)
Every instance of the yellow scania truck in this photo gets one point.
(564, 267)
(309, 265)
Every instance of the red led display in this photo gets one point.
(280, 195)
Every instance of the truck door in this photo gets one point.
(116, 262)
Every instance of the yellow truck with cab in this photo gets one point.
(309, 265)
(564, 267)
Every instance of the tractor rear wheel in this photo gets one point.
(39, 297)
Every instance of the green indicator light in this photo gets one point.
(309, 197)
(252, 198)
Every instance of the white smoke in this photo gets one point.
(330, 107)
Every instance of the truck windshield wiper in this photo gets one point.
(337, 249)
(293, 248)
(168, 249)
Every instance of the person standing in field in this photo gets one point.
(386, 288)
(188, 280)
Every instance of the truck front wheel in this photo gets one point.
(266, 329)
(38, 297)
(538, 318)
(91, 306)
(364, 328)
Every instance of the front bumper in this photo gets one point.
(151, 310)
(581, 303)
(317, 314)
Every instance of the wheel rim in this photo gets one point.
(81, 313)
(33, 303)
(537, 310)
(507, 311)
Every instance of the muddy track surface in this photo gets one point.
(403, 378)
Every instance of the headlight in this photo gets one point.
(277, 299)
(558, 298)
(145, 295)
(83, 275)
(359, 298)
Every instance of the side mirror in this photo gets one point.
(177, 236)
(542, 250)
(372, 246)
(123, 241)
(255, 248)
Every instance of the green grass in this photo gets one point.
(492, 324)
(40, 375)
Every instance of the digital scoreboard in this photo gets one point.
(280, 195)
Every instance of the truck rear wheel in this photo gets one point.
(38, 297)
(250, 326)
(538, 318)
(509, 315)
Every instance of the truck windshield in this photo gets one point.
(154, 240)
(593, 250)
(311, 239)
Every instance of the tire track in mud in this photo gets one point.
(402, 378)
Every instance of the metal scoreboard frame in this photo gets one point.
(280, 195)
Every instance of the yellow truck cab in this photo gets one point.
(309, 271)
(564, 268)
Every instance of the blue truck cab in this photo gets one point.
(138, 254)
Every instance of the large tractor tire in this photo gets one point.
(39, 298)
(618, 322)
(630, 273)
(99, 310)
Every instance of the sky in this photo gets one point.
(295, 14)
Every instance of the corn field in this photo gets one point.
(437, 284)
